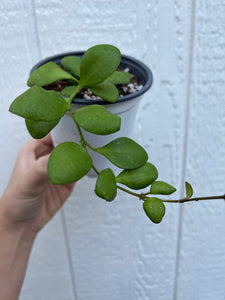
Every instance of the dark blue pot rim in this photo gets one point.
(136, 67)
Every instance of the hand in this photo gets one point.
(30, 199)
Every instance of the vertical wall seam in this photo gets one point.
(36, 31)
(62, 213)
(185, 145)
(68, 253)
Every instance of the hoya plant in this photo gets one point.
(42, 109)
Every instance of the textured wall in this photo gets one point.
(111, 251)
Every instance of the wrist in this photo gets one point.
(14, 228)
(16, 242)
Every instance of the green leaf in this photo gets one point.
(161, 187)
(105, 90)
(68, 91)
(72, 65)
(106, 185)
(97, 119)
(68, 162)
(119, 77)
(189, 189)
(154, 209)
(98, 63)
(39, 129)
(124, 153)
(47, 74)
(39, 105)
(138, 178)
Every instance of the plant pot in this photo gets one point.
(125, 107)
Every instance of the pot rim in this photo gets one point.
(143, 68)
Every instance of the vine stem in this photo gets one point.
(129, 192)
(78, 89)
(195, 199)
(141, 196)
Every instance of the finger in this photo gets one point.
(40, 147)
(38, 173)
(47, 140)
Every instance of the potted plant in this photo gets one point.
(43, 108)
(132, 80)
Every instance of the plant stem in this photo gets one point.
(96, 171)
(75, 79)
(140, 196)
(78, 89)
(195, 199)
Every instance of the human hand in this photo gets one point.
(30, 199)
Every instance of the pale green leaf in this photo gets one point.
(105, 90)
(47, 74)
(39, 129)
(189, 189)
(138, 178)
(68, 162)
(106, 185)
(72, 65)
(98, 63)
(39, 105)
(124, 153)
(161, 187)
(118, 78)
(68, 91)
(97, 119)
(154, 209)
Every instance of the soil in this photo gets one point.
(124, 90)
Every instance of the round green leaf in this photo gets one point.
(138, 178)
(98, 63)
(124, 153)
(106, 185)
(68, 91)
(97, 119)
(39, 129)
(161, 187)
(154, 209)
(119, 77)
(47, 74)
(105, 90)
(39, 105)
(68, 162)
(189, 189)
(72, 65)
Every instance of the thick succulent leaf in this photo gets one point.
(106, 185)
(98, 63)
(105, 90)
(97, 119)
(39, 105)
(154, 209)
(39, 129)
(68, 162)
(47, 74)
(68, 91)
(119, 77)
(161, 187)
(189, 189)
(72, 65)
(138, 178)
(124, 153)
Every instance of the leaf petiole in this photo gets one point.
(195, 199)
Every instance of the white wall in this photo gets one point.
(111, 251)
